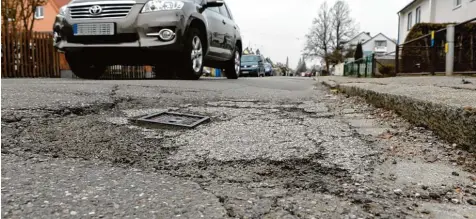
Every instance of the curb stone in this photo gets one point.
(454, 124)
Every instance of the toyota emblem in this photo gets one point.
(95, 10)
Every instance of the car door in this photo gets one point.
(216, 29)
(230, 30)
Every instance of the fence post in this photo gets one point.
(366, 65)
(397, 59)
(358, 69)
(450, 49)
(374, 65)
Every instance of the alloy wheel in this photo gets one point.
(197, 54)
(237, 63)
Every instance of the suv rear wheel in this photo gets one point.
(84, 68)
(233, 66)
(192, 59)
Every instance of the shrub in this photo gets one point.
(387, 70)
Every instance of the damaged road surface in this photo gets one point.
(274, 148)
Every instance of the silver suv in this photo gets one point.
(177, 37)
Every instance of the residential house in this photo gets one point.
(45, 15)
(378, 44)
(382, 46)
(433, 11)
(361, 37)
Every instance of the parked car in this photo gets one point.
(177, 37)
(252, 65)
(268, 69)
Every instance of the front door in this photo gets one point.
(230, 30)
(217, 30)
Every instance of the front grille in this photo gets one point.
(108, 10)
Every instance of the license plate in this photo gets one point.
(93, 29)
(245, 72)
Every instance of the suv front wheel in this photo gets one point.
(233, 66)
(192, 59)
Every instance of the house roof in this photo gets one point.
(408, 5)
(376, 36)
(357, 36)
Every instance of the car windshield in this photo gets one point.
(249, 59)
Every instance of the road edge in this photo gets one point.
(454, 124)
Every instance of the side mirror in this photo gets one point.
(214, 3)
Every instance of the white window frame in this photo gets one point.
(39, 12)
(418, 15)
(409, 21)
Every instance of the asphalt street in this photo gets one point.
(275, 147)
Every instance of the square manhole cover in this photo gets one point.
(175, 119)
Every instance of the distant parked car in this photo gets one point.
(268, 69)
(252, 65)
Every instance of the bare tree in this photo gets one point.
(27, 15)
(343, 25)
(319, 39)
(19, 14)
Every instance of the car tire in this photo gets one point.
(164, 72)
(84, 69)
(233, 67)
(191, 66)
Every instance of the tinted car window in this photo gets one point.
(250, 58)
(224, 12)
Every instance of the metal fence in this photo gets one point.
(427, 53)
(364, 67)
(465, 47)
(27, 54)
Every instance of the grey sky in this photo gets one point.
(277, 27)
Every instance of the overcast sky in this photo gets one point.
(277, 27)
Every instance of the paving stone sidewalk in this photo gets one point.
(446, 105)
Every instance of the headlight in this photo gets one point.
(162, 5)
(63, 10)
(254, 66)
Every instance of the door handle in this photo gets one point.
(223, 21)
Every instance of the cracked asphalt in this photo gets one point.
(277, 147)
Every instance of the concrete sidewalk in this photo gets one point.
(447, 105)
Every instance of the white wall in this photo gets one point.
(339, 69)
(425, 17)
(369, 46)
(446, 12)
(443, 11)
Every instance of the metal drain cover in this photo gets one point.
(175, 119)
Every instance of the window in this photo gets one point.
(229, 12)
(380, 43)
(409, 24)
(214, 9)
(224, 12)
(418, 15)
(39, 12)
